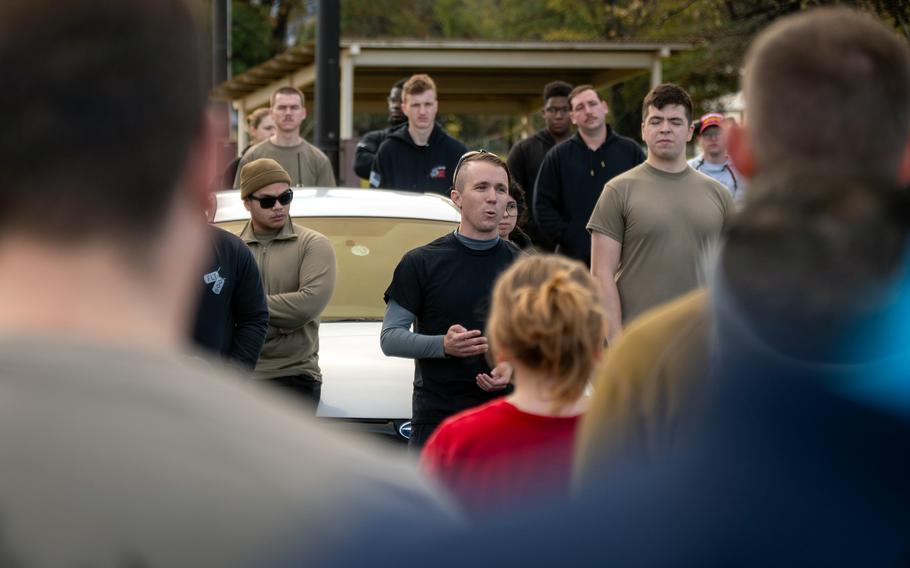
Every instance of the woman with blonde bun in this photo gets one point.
(546, 321)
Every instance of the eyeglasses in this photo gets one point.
(512, 210)
(557, 110)
(269, 201)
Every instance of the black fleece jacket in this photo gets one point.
(571, 178)
(232, 317)
(402, 164)
(524, 163)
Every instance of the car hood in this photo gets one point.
(358, 380)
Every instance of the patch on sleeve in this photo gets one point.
(375, 179)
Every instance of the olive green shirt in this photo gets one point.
(305, 163)
(666, 223)
(646, 391)
(298, 276)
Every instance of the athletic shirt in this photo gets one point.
(496, 458)
(445, 283)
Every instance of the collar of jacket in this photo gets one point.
(577, 139)
(286, 232)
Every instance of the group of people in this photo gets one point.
(749, 409)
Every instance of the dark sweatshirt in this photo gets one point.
(402, 164)
(368, 146)
(233, 317)
(524, 163)
(571, 178)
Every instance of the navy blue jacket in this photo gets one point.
(233, 317)
(571, 178)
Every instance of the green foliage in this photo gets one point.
(250, 36)
(719, 30)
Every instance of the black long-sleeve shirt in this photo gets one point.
(571, 178)
(233, 316)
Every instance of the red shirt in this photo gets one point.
(495, 457)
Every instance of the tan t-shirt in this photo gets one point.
(665, 223)
(305, 163)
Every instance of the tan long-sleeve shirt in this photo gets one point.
(298, 276)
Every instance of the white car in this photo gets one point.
(371, 230)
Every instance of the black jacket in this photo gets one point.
(233, 317)
(402, 164)
(367, 148)
(570, 180)
(524, 163)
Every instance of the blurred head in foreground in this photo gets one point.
(109, 154)
(828, 88)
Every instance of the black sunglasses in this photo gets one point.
(269, 201)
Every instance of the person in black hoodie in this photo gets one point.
(232, 316)
(421, 157)
(371, 141)
(526, 155)
(573, 174)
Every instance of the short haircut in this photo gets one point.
(829, 86)
(667, 94)
(255, 118)
(287, 90)
(101, 116)
(580, 89)
(399, 84)
(556, 89)
(812, 250)
(417, 85)
(477, 156)
(547, 313)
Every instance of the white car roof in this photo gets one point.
(350, 202)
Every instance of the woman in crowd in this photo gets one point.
(260, 127)
(515, 212)
(546, 321)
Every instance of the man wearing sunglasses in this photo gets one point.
(298, 275)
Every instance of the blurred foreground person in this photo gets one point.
(515, 452)
(117, 448)
(800, 74)
(509, 226)
(232, 316)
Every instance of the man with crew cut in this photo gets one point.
(443, 289)
(305, 164)
(652, 224)
(420, 157)
(526, 155)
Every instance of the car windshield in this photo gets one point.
(367, 250)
